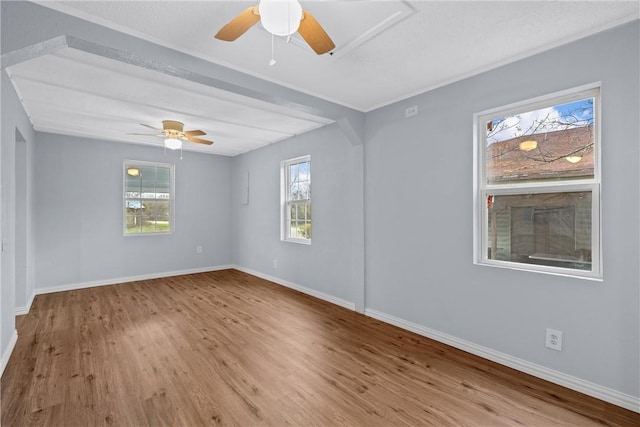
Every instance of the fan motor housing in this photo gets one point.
(173, 125)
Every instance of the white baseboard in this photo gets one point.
(312, 292)
(25, 309)
(7, 353)
(117, 280)
(600, 392)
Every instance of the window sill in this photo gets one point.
(298, 241)
(554, 271)
(166, 233)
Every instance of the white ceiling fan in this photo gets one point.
(173, 133)
(280, 18)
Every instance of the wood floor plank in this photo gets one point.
(227, 348)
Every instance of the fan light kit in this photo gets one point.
(173, 143)
(280, 18)
(173, 134)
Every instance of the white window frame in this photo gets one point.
(128, 164)
(482, 189)
(285, 230)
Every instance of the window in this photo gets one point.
(537, 184)
(148, 198)
(296, 199)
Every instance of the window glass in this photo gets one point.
(555, 142)
(551, 229)
(538, 185)
(148, 195)
(297, 199)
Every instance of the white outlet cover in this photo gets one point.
(554, 339)
(411, 111)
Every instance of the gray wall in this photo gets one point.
(79, 225)
(418, 204)
(325, 265)
(16, 132)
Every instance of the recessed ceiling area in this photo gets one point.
(73, 92)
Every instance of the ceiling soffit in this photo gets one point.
(73, 87)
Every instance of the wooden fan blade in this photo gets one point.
(314, 34)
(194, 132)
(150, 127)
(198, 140)
(239, 25)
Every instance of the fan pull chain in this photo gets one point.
(273, 61)
(181, 152)
(289, 19)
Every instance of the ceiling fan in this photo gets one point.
(280, 18)
(173, 133)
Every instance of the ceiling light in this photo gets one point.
(172, 143)
(528, 145)
(573, 159)
(133, 172)
(280, 17)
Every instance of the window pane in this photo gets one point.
(303, 190)
(148, 181)
(293, 191)
(147, 198)
(307, 207)
(133, 223)
(297, 203)
(303, 171)
(293, 229)
(552, 229)
(156, 216)
(132, 183)
(550, 143)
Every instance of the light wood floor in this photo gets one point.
(227, 348)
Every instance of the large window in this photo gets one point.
(148, 198)
(296, 199)
(537, 184)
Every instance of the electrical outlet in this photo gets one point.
(275, 263)
(554, 340)
(198, 249)
(411, 111)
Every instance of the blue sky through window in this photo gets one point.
(555, 118)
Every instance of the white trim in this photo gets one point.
(7, 353)
(118, 280)
(312, 292)
(26, 308)
(595, 390)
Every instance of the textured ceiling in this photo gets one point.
(386, 51)
(432, 42)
